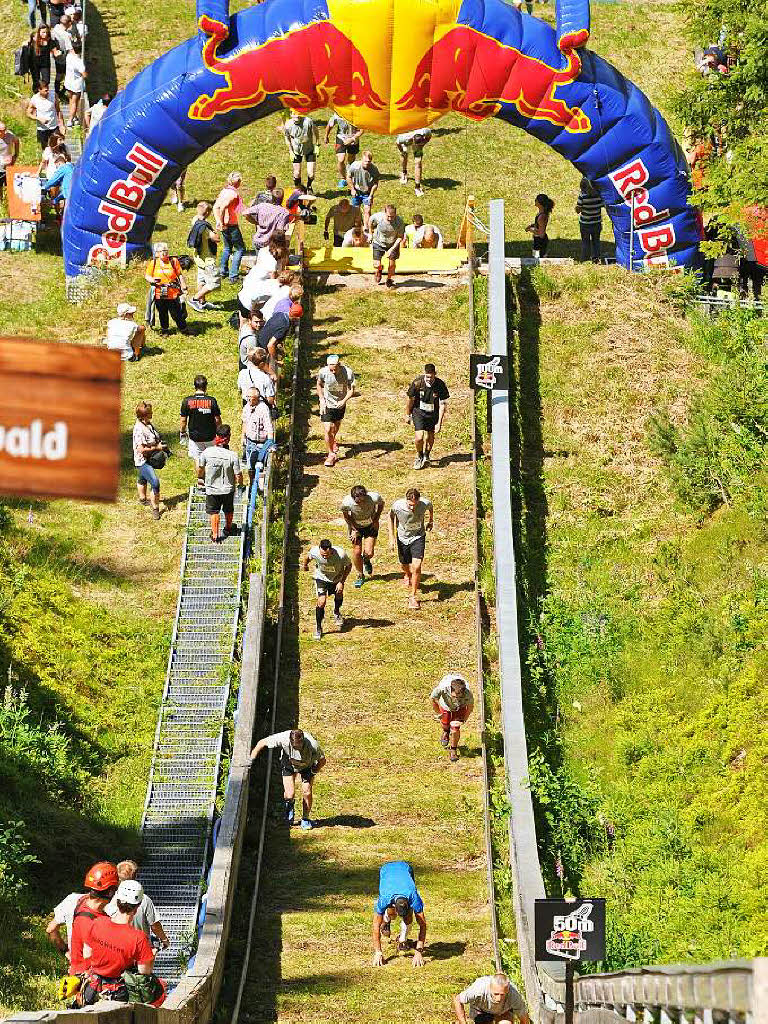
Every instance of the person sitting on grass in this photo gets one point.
(221, 470)
(452, 702)
(492, 999)
(300, 754)
(124, 335)
(398, 897)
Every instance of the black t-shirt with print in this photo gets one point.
(428, 396)
(201, 411)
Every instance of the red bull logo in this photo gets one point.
(311, 67)
(474, 74)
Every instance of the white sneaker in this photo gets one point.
(317, 635)
(418, 462)
(403, 179)
(180, 207)
(338, 618)
(419, 191)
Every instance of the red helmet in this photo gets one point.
(101, 876)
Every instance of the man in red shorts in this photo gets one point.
(452, 701)
(116, 946)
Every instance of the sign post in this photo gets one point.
(59, 420)
(572, 931)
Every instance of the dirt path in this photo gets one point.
(388, 791)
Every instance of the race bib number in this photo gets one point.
(427, 406)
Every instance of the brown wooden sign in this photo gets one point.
(59, 420)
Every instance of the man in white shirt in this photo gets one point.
(335, 386)
(63, 914)
(332, 566)
(257, 430)
(355, 238)
(74, 81)
(301, 135)
(300, 754)
(410, 517)
(145, 919)
(9, 152)
(255, 375)
(418, 140)
(452, 702)
(362, 511)
(46, 112)
(124, 335)
(492, 999)
(257, 290)
(423, 236)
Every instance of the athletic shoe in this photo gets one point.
(331, 460)
(143, 501)
(413, 603)
(425, 461)
(403, 946)
(317, 635)
(196, 305)
(306, 824)
(359, 581)
(341, 183)
(390, 282)
(291, 816)
(367, 567)
(156, 513)
(338, 618)
(418, 462)
(386, 930)
(444, 738)
(210, 307)
(403, 179)
(453, 756)
(180, 207)
(335, 448)
(419, 192)
(309, 190)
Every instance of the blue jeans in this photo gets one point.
(232, 244)
(33, 5)
(147, 475)
(259, 448)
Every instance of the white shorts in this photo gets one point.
(208, 276)
(196, 448)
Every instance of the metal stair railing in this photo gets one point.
(181, 793)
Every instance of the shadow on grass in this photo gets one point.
(102, 74)
(345, 821)
(353, 623)
(445, 591)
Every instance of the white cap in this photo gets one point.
(70, 11)
(125, 307)
(130, 891)
(332, 360)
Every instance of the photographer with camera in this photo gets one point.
(150, 453)
(170, 289)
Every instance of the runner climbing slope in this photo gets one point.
(389, 791)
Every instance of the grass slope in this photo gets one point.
(388, 790)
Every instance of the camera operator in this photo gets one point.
(164, 273)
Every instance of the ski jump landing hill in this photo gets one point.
(388, 66)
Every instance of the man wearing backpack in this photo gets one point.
(203, 239)
(100, 885)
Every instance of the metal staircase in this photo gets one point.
(178, 813)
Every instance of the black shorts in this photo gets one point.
(338, 241)
(288, 771)
(347, 147)
(379, 252)
(540, 245)
(220, 503)
(423, 420)
(309, 157)
(359, 532)
(407, 552)
(483, 1017)
(333, 415)
(325, 589)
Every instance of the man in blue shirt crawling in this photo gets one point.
(398, 897)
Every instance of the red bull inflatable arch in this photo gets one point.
(388, 66)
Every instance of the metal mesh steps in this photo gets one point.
(182, 786)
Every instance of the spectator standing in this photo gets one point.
(9, 152)
(418, 140)
(41, 49)
(248, 338)
(452, 702)
(750, 270)
(46, 113)
(267, 194)
(589, 207)
(148, 448)
(425, 408)
(346, 145)
(56, 9)
(199, 419)
(124, 335)
(203, 239)
(302, 755)
(332, 566)
(62, 38)
(300, 133)
(63, 915)
(492, 999)
(145, 918)
(226, 212)
(257, 374)
(268, 219)
(362, 512)
(335, 386)
(95, 113)
(178, 190)
(32, 7)
(544, 207)
(275, 330)
(410, 518)
(363, 180)
(344, 217)
(78, 28)
(74, 81)
(221, 471)
(164, 274)
(398, 897)
(388, 231)
(271, 258)
(257, 430)
(257, 289)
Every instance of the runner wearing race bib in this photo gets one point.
(335, 386)
(332, 566)
(300, 133)
(425, 408)
(409, 519)
(362, 511)
(346, 145)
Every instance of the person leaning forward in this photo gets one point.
(300, 754)
(398, 897)
(491, 999)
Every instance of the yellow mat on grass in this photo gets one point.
(329, 259)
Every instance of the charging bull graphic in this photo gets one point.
(387, 66)
(473, 74)
(281, 67)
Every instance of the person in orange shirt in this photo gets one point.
(164, 273)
